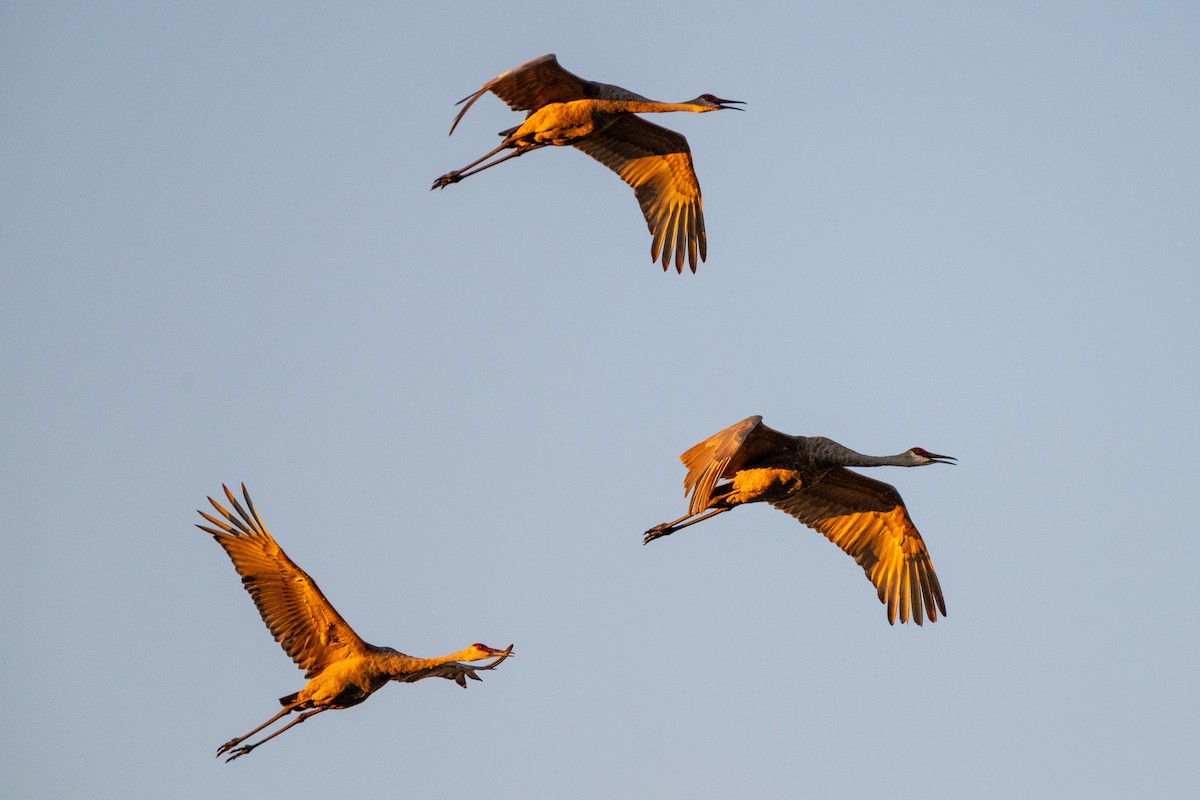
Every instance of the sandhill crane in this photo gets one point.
(598, 119)
(806, 477)
(342, 669)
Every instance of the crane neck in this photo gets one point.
(399, 663)
(862, 460)
(647, 106)
(825, 452)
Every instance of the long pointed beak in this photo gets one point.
(936, 459)
(725, 104)
(500, 656)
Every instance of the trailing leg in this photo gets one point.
(225, 747)
(246, 748)
(667, 528)
(458, 174)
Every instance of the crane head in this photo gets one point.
(920, 457)
(712, 101)
(479, 651)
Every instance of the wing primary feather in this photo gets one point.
(936, 587)
(681, 235)
(914, 588)
(658, 229)
(253, 511)
(927, 590)
(290, 603)
(224, 527)
(693, 236)
(891, 605)
(237, 507)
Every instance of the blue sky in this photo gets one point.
(968, 228)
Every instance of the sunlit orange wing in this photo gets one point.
(868, 520)
(530, 86)
(308, 628)
(743, 445)
(657, 163)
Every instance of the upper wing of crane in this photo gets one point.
(530, 86)
(539, 82)
(657, 163)
(708, 461)
(868, 520)
(308, 628)
(746, 444)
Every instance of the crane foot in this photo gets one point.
(223, 749)
(241, 751)
(655, 532)
(446, 180)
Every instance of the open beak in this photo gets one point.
(500, 654)
(726, 104)
(936, 459)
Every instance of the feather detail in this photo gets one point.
(867, 519)
(291, 604)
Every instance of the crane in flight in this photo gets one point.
(599, 119)
(342, 669)
(806, 477)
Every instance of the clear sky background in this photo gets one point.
(972, 228)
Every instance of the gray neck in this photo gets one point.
(828, 452)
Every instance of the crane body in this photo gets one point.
(807, 477)
(598, 118)
(343, 670)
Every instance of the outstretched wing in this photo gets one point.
(308, 628)
(657, 163)
(530, 86)
(868, 520)
(539, 82)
